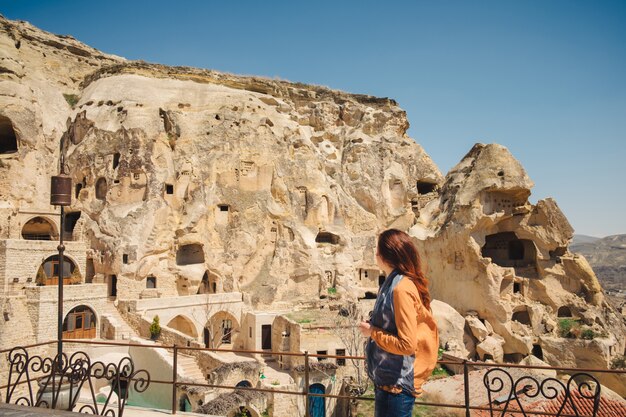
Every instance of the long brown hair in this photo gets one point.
(397, 250)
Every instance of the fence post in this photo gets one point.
(306, 383)
(174, 379)
(466, 387)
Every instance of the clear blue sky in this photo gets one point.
(547, 79)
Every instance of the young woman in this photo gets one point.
(402, 347)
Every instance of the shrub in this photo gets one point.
(587, 334)
(332, 291)
(568, 328)
(71, 99)
(155, 328)
(619, 362)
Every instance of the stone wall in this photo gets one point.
(42, 306)
(20, 259)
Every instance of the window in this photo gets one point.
(136, 176)
(223, 207)
(321, 358)
(125, 258)
(227, 330)
(249, 331)
(116, 160)
(151, 282)
(169, 189)
(341, 361)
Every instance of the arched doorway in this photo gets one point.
(245, 384)
(39, 228)
(48, 273)
(184, 404)
(183, 325)
(317, 405)
(80, 323)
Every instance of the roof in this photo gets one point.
(584, 405)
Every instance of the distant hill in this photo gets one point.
(607, 256)
(580, 239)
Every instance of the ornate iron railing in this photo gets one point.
(505, 394)
(60, 380)
(581, 386)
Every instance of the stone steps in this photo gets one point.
(190, 368)
(123, 330)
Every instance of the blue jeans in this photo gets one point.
(393, 405)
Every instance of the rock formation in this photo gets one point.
(191, 181)
(505, 264)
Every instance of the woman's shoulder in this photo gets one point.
(406, 285)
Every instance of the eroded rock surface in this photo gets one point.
(192, 181)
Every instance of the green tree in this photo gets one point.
(155, 328)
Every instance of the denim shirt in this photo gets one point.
(385, 368)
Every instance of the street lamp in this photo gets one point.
(61, 195)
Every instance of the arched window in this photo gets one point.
(49, 270)
(39, 228)
(80, 323)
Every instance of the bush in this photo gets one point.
(71, 99)
(587, 334)
(155, 328)
(332, 291)
(569, 328)
(618, 362)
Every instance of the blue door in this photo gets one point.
(317, 404)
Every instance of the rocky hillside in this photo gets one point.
(191, 178)
(607, 256)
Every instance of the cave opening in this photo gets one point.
(8, 138)
(507, 250)
(521, 317)
(537, 351)
(564, 311)
(327, 237)
(101, 189)
(424, 187)
(190, 254)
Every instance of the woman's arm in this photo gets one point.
(406, 304)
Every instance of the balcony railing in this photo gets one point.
(507, 393)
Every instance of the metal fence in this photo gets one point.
(576, 395)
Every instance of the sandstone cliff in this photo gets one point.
(190, 180)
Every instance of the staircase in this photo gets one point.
(188, 368)
(123, 331)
